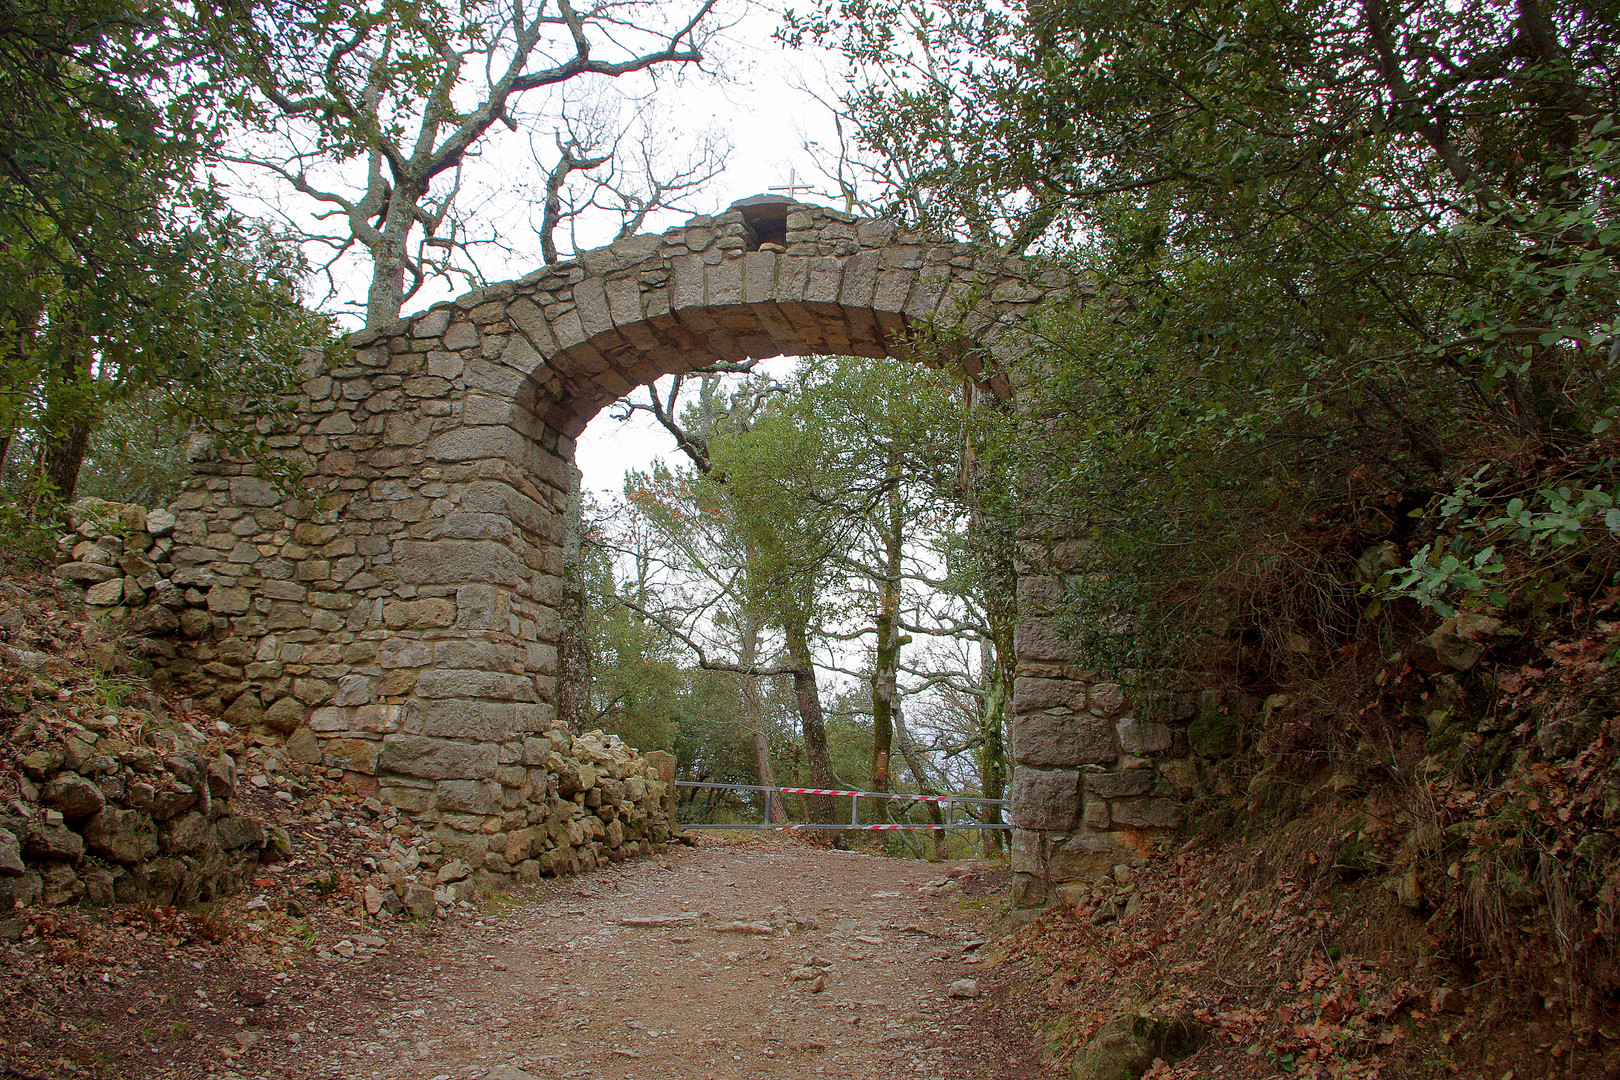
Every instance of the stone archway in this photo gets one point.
(409, 614)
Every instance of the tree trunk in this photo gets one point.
(914, 762)
(71, 415)
(886, 665)
(999, 588)
(388, 258)
(808, 695)
(753, 706)
(64, 456)
(573, 643)
(992, 744)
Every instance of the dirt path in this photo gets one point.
(717, 962)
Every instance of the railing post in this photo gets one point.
(855, 810)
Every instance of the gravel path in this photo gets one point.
(759, 960)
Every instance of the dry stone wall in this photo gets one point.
(403, 606)
(105, 814)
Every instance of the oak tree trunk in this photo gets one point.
(811, 719)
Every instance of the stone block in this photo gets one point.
(410, 799)
(1088, 856)
(686, 282)
(352, 755)
(405, 652)
(106, 593)
(437, 759)
(1028, 850)
(1119, 785)
(124, 836)
(378, 717)
(461, 718)
(535, 750)
(285, 715)
(450, 562)
(467, 796)
(87, 572)
(461, 335)
(860, 280)
(451, 682)
(302, 746)
(353, 690)
(435, 611)
(1149, 813)
(311, 691)
(331, 718)
(154, 620)
(473, 526)
(42, 841)
(1045, 798)
(1143, 737)
(1028, 891)
(1047, 740)
(1108, 699)
(228, 601)
(252, 491)
(1032, 694)
(498, 443)
(724, 282)
(480, 607)
(1096, 815)
(432, 323)
(473, 653)
(1036, 640)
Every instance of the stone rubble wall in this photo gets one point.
(101, 817)
(566, 804)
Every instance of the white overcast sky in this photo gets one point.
(760, 104)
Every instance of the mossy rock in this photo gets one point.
(1214, 732)
(1128, 1045)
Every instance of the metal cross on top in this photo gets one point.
(793, 187)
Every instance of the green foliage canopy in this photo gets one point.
(122, 272)
(1342, 249)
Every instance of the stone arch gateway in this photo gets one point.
(408, 613)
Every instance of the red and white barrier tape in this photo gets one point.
(864, 795)
(873, 828)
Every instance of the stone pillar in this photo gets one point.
(407, 612)
(1097, 775)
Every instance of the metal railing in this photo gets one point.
(950, 802)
